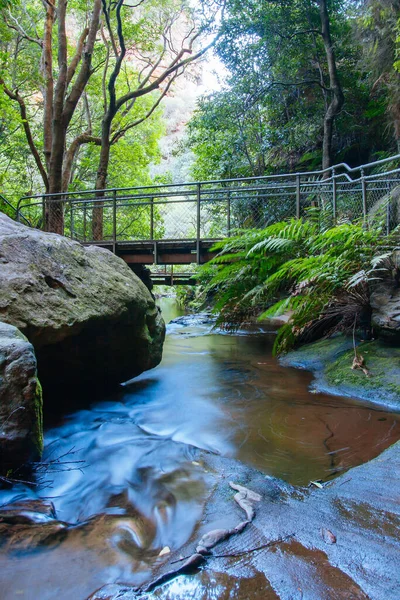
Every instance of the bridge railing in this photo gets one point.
(212, 209)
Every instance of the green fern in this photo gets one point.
(320, 274)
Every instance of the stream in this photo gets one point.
(130, 482)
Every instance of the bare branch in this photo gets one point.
(119, 134)
(174, 66)
(78, 55)
(17, 27)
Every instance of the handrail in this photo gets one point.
(207, 210)
(3, 199)
(331, 170)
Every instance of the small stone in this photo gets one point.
(165, 550)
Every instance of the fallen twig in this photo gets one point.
(256, 549)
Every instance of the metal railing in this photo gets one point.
(10, 210)
(209, 210)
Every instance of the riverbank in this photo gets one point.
(331, 360)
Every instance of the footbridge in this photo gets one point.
(178, 224)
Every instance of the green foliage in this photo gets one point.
(268, 117)
(321, 276)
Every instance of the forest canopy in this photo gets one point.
(309, 83)
(82, 83)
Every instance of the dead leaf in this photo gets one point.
(317, 484)
(328, 536)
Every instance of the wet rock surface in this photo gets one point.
(194, 320)
(360, 511)
(338, 542)
(20, 401)
(91, 321)
(158, 461)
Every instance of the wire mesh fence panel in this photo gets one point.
(179, 218)
(349, 201)
(383, 200)
(214, 209)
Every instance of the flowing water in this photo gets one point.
(130, 478)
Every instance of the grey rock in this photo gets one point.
(20, 401)
(92, 322)
(385, 302)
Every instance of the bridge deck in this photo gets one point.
(165, 252)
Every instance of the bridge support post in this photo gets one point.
(229, 215)
(114, 235)
(198, 199)
(72, 225)
(152, 218)
(334, 196)
(364, 196)
(43, 212)
(155, 253)
(84, 221)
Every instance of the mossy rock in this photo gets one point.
(21, 423)
(381, 385)
(331, 361)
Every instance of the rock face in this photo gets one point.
(385, 302)
(20, 400)
(91, 321)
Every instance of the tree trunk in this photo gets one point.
(337, 99)
(59, 130)
(101, 180)
(48, 87)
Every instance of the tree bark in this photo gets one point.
(48, 88)
(150, 83)
(337, 100)
(101, 179)
(64, 106)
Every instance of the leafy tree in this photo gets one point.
(133, 52)
(29, 69)
(379, 33)
(279, 105)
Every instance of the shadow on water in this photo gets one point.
(142, 488)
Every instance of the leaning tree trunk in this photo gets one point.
(337, 99)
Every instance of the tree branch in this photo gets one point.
(119, 134)
(85, 70)
(175, 65)
(28, 133)
(77, 57)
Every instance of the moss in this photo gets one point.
(37, 433)
(332, 359)
(383, 364)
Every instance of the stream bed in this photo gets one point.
(130, 482)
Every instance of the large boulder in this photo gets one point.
(20, 401)
(92, 322)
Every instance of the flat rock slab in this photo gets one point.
(331, 361)
(339, 542)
